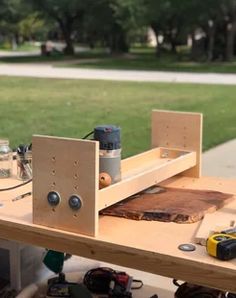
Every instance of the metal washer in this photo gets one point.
(187, 247)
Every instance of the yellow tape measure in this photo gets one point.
(222, 246)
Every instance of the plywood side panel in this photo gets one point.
(180, 130)
(69, 167)
(144, 178)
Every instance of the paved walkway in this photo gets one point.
(220, 161)
(48, 71)
(5, 54)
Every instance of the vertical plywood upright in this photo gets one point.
(68, 167)
(180, 130)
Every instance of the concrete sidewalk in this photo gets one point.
(48, 71)
(220, 161)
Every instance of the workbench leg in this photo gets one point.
(15, 266)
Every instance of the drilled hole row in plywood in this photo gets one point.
(167, 135)
(75, 215)
(75, 176)
(184, 127)
(53, 186)
(54, 159)
(54, 172)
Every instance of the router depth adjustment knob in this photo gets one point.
(75, 202)
(53, 198)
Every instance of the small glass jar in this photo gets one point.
(24, 165)
(5, 159)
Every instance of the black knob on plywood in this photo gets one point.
(53, 198)
(75, 202)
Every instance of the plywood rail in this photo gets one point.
(144, 170)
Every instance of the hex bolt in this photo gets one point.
(75, 202)
(53, 198)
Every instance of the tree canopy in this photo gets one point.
(115, 24)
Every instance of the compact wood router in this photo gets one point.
(66, 171)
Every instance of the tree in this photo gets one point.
(11, 13)
(112, 21)
(215, 18)
(31, 25)
(228, 9)
(166, 19)
(66, 14)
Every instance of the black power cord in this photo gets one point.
(98, 280)
(87, 135)
(103, 280)
(16, 186)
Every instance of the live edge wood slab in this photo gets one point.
(145, 245)
(169, 204)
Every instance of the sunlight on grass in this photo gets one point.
(72, 108)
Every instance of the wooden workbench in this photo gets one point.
(145, 245)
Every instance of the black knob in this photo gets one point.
(75, 202)
(53, 198)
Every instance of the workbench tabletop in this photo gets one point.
(145, 245)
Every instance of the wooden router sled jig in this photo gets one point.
(70, 168)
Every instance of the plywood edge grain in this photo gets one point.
(150, 261)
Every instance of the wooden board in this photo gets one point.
(224, 219)
(169, 204)
(68, 167)
(144, 170)
(181, 130)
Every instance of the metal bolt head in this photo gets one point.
(187, 247)
(53, 198)
(75, 202)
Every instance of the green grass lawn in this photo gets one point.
(27, 46)
(146, 60)
(73, 108)
(137, 59)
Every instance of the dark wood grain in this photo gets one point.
(169, 205)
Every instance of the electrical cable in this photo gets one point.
(16, 186)
(98, 280)
(87, 135)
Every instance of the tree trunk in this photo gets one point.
(230, 38)
(211, 41)
(69, 49)
(173, 40)
(193, 48)
(66, 28)
(118, 43)
(173, 45)
(156, 32)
